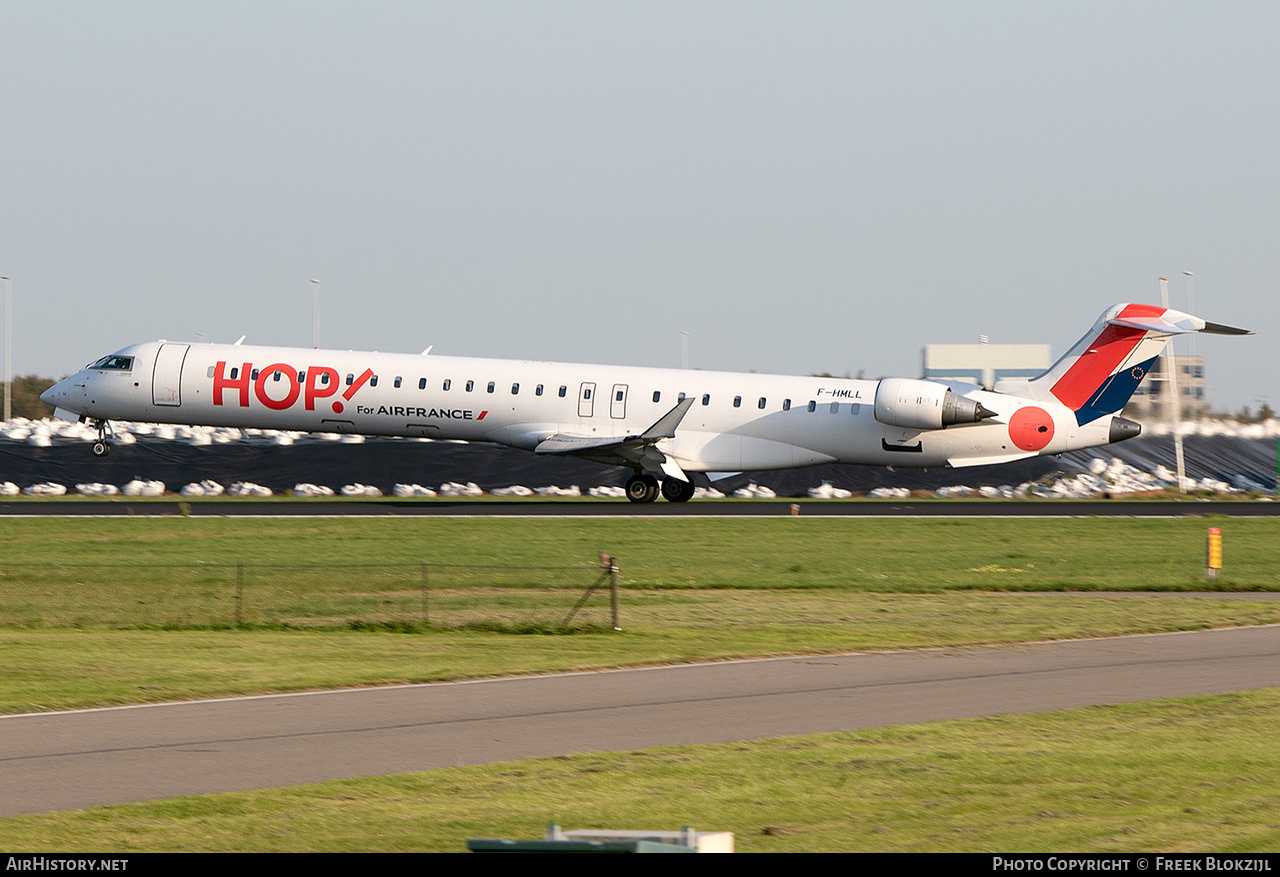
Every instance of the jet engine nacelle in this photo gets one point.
(914, 404)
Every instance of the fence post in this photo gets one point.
(613, 587)
(239, 592)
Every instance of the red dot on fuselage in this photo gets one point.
(337, 407)
(1031, 428)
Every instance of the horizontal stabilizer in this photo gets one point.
(1219, 329)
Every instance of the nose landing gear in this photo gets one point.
(102, 446)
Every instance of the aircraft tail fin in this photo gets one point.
(1100, 372)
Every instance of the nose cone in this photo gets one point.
(51, 395)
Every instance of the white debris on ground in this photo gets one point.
(8, 488)
(453, 488)
(826, 491)
(248, 488)
(754, 491)
(307, 489)
(558, 491)
(96, 489)
(202, 488)
(706, 493)
(604, 492)
(889, 493)
(407, 490)
(360, 490)
(137, 487)
(46, 489)
(513, 490)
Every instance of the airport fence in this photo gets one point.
(386, 596)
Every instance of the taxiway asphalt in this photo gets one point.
(88, 758)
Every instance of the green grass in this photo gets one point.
(1184, 775)
(693, 590)
(884, 555)
(68, 669)
(1191, 774)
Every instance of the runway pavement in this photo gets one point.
(82, 759)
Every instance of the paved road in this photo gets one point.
(620, 508)
(82, 759)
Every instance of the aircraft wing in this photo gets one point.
(630, 450)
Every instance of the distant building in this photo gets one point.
(985, 364)
(1152, 400)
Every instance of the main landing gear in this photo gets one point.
(643, 487)
(102, 446)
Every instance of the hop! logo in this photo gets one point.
(320, 382)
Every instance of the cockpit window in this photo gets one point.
(119, 363)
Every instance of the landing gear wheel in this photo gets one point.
(642, 488)
(675, 490)
(101, 449)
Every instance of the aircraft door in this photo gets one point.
(166, 379)
(586, 399)
(618, 402)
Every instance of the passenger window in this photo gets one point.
(586, 394)
(617, 397)
(324, 379)
(855, 408)
(537, 391)
(351, 379)
(235, 373)
(210, 371)
(515, 388)
(254, 374)
(706, 398)
(813, 406)
(447, 384)
(737, 401)
(657, 394)
(680, 397)
(276, 376)
(786, 404)
(422, 383)
(471, 385)
(373, 380)
(490, 389)
(835, 407)
(399, 380)
(302, 377)
(563, 390)
(762, 403)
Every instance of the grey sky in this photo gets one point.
(802, 186)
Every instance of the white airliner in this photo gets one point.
(664, 424)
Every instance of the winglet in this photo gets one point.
(666, 425)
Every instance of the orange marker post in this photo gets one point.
(1215, 553)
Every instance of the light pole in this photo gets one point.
(1171, 384)
(1191, 308)
(8, 348)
